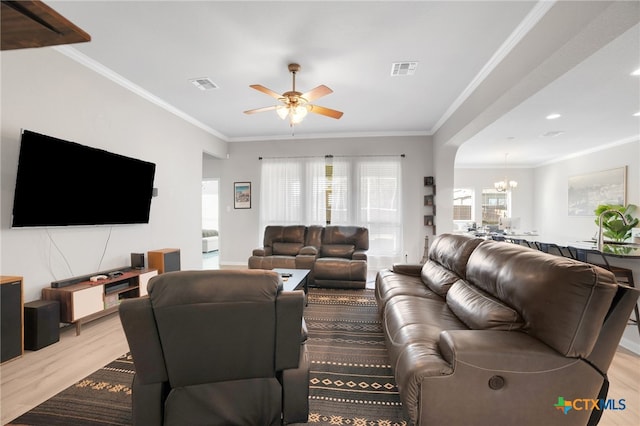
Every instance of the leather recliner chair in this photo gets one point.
(218, 347)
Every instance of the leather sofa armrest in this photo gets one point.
(496, 350)
(262, 251)
(413, 269)
(139, 324)
(308, 251)
(359, 255)
(289, 308)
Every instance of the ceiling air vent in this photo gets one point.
(403, 68)
(203, 83)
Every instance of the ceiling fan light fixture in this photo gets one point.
(298, 113)
(295, 105)
(283, 111)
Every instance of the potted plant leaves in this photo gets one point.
(613, 226)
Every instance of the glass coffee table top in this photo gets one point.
(293, 279)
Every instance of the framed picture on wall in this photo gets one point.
(587, 191)
(241, 195)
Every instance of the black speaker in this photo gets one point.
(41, 324)
(10, 318)
(137, 260)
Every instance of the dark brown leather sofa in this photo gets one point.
(218, 347)
(335, 255)
(493, 333)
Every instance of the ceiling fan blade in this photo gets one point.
(326, 111)
(263, 89)
(316, 93)
(253, 111)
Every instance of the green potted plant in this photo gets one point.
(612, 225)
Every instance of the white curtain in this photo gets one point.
(281, 192)
(362, 191)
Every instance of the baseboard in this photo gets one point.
(233, 264)
(630, 344)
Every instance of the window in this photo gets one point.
(361, 191)
(494, 206)
(463, 204)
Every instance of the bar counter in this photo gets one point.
(571, 248)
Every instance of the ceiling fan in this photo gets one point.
(295, 105)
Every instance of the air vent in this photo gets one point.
(203, 83)
(403, 68)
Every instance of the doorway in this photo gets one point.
(210, 224)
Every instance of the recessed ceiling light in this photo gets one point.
(636, 72)
(637, 114)
(553, 116)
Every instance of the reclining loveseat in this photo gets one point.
(493, 333)
(334, 255)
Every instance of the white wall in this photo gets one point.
(521, 197)
(551, 205)
(239, 229)
(551, 189)
(45, 91)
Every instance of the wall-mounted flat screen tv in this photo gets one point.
(63, 183)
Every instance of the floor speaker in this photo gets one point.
(41, 324)
(10, 318)
(164, 260)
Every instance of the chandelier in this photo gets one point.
(505, 184)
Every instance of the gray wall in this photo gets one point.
(239, 229)
(45, 91)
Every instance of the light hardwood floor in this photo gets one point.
(38, 375)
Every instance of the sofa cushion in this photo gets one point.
(284, 234)
(438, 278)
(356, 235)
(479, 310)
(308, 251)
(562, 301)
(337, 250)
(286, 249)
(452, 251)
(209, 233)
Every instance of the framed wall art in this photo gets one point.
(242, 195)
(587, 191)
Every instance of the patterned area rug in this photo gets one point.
(351, 382)
(102, 398)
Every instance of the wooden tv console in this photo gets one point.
(88, 300)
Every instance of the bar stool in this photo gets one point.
(623, 275)
(555, 249)
(521, 242)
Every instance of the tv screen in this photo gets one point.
(62, 183)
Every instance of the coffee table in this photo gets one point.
(296, 280)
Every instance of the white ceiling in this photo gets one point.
(157, 46)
